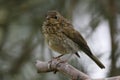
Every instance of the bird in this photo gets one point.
(63, 38)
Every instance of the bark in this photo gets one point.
(56, 65)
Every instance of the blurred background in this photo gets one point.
(22, 41)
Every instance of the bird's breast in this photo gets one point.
(56, 43)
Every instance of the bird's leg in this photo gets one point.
(65, 60)
(61, 61)
(58, 56)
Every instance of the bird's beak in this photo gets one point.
(47, 18)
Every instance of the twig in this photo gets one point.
(63, 67)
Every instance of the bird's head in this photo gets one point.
(53, 17)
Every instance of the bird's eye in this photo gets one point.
(55, 17)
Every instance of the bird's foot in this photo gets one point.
(58, 62)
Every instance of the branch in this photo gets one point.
(56, 65)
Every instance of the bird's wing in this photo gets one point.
(75, 36)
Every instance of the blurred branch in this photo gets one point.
(109, 11)
(4, 36)
(26, 53)
(65, 68)
(113, 29)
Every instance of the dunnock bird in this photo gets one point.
(63, 38)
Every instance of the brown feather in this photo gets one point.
(78, 39)
(63, 38)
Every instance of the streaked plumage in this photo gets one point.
(63, 38)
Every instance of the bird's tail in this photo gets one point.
(95, 59)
